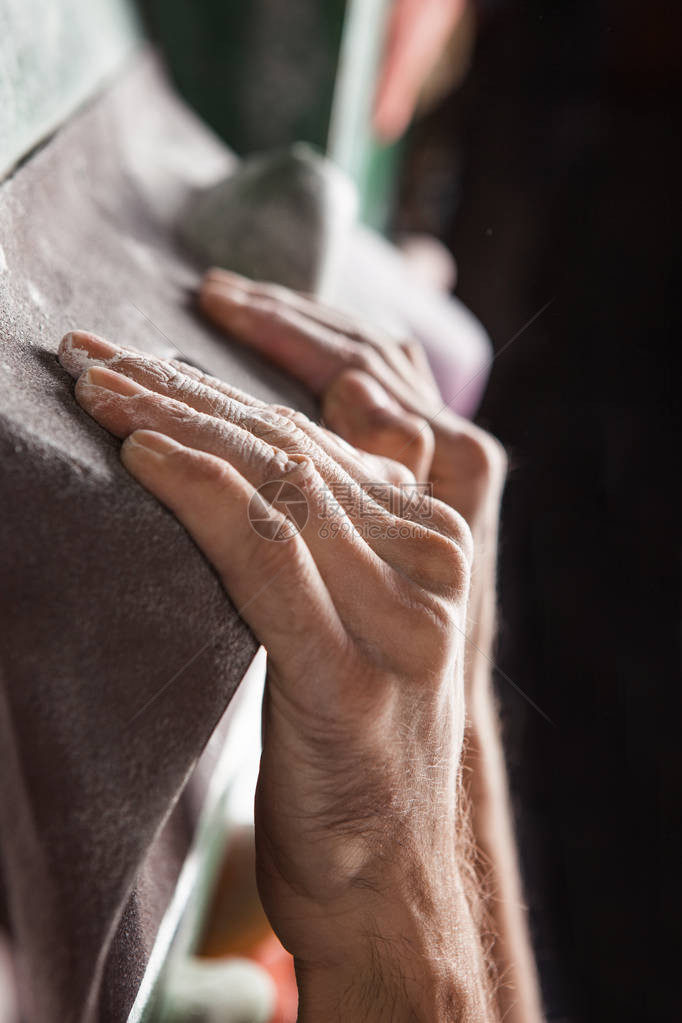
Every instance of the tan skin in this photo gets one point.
(360, 825)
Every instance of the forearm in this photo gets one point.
(485, 775)
(491, 823)
(414, 966)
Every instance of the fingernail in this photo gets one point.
(80, 349)
(98, 376)
(233, 292)
(159, 443)
(94, 344)
(218, 275)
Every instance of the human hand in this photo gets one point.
(361, 609)
(341, 360)
(380, 395)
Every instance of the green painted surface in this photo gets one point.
(260, 72)
(268, 73)
(350, 141)
(378, 184)
(53, 56)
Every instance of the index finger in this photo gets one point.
(313, 349)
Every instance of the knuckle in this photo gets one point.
(297, 472)
(301, 435)
(300, 443)
(361, 355)
(427, 439)
(153, 405)
(169, 378)
(481, 456)
(275, 462)
(419, 437)
(398, 475)
(433, 628)
(446, 565)
(275, 293)
(185, 388)
(412, 346)
(266, 460)
(302, 473)
(301, 420)
(495, 455)
(168, 375)
(285, 411)
(452, 527)
(267, 424)
(302, 470)
(266, 304)
(498, 455)
(178, 412)
(294, 433)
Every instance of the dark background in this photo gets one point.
(553, 174)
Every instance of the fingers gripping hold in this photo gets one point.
(360, 410)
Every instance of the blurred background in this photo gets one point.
(527, 155)
(545, 157)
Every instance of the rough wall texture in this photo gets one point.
(52, 57)
(118, 652)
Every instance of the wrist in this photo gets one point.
(410, 959)
(368, 992)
